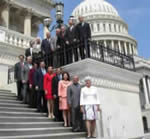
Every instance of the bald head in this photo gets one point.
(75, 79)
(81, 19)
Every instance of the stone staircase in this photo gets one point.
(17, 121)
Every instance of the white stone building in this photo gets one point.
(19, 23)
(109, 29)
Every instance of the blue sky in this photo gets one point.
(136, 13)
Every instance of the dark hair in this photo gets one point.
(67, 75)
(21, 56)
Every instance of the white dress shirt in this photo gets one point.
(89, 96)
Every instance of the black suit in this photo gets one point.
(83, 35)
(46, 48)
(39, 79)
(28, 52)
(71, 37)
(57, 112)
(17, 76)
(62, 42)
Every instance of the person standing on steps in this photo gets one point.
(62, 93)
(55, 82)
(48, 91)
(73, 98)
(39, 79)
(90, 105)
(25, 79)
(32, 91)
(17, 76)
(84, 36)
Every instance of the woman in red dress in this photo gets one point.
(48, 91)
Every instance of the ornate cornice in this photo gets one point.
(105, 75)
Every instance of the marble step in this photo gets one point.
(16, 109)
(66, 135)
(20, 125)
(22, 114)
(4, 119)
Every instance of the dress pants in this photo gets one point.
(19, 90)
(76, 116)
(57, 112)
(41, 101)
(84, 49)
(33, 97)
(25, 93)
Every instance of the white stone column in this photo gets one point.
(147, 105)
(5, 14)
(119, 44)
(112, 44)
(101, 27)
(148, 82)
(27, 23)
(112, 27)
(105, 43)
(136, 50)
(125, 47)
(117, 28)
(130, 48)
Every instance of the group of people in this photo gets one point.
(64, 47)
(52, 91)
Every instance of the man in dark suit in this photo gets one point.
(47, 49)
(71, 39)
(62, 43)
(29, 51)
(55, 82)
(25, 79)
(39, 78)
(17, 76)
(84, 36)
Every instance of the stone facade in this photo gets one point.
(119, 97)
(19, 23)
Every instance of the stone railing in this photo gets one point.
(15, 38)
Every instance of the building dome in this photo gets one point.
(96, 7)
(107, 27)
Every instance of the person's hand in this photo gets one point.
(82, 110)
(30, 86)
(46, 92)
(54, 96)
(74, 40)
(36, 88)
(67, 42)
(23, 81)
(98, 108)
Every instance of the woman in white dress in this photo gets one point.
(90, 105)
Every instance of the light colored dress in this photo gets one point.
(89, 100)
(62, 93)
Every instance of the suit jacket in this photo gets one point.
(73, 95)
(83, 32)
(31, 76)
(25, 72)
(17, 71)
(55, 82)
(46, 46)
(27, 52)
(39, 78)
(71, 34)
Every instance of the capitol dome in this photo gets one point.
(107, 26)
(96, 7)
